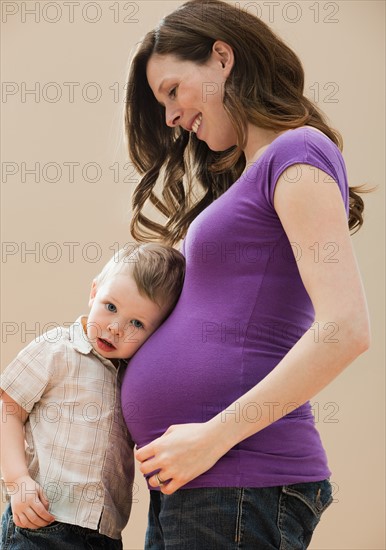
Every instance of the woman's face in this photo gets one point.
(192, 95)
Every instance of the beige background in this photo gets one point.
(74, 223)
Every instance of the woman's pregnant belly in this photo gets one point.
(188, 371)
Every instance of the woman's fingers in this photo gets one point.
(157, 480)
(170, 487)
(181, 454)
(144, 453)
(150, 450)
(167, 488)
(148, 466)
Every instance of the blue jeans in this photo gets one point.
(227, 518)
(56, 536)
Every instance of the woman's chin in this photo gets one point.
(220, 147)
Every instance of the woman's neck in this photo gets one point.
(257, 142)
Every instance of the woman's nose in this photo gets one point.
(173, 117)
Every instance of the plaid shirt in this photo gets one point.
(78, 448)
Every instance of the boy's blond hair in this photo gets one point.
(158, 271)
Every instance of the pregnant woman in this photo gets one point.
(272, 309)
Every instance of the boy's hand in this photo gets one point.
(29, 504)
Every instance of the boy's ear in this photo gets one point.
(93, 292)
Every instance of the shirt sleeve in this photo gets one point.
(306, 146)
(27, 376)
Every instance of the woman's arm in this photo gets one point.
(29, 504)
(313, 217)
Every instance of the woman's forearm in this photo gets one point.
(315, 360)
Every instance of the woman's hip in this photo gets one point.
(230, 518)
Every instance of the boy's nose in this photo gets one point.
(115, 328)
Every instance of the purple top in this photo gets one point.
(242, 308)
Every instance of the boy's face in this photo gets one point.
(120, 319)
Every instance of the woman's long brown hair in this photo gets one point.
(265, 88)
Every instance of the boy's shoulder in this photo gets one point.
(43, 362)
(59, 337)
(56, 342)
(57, 334)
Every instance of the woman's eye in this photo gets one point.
(111, 308)
(136, 323)
(172, 93)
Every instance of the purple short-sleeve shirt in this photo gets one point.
(242, 308)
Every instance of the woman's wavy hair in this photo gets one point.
(265, 88)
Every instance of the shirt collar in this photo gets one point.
(78, 336)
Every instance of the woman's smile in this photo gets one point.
(197, 123)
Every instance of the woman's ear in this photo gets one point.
(93, 292)
(223, 53)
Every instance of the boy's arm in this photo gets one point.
(29, 504)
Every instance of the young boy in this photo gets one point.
(66, 456)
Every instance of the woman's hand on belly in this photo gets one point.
(181, 454)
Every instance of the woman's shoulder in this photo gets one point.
(303, 138)
(303, 145)
(308, 145)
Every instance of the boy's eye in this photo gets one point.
(136, 323)
(111, 308)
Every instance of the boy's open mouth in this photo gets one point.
(105, 345)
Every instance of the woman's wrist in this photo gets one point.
(223, 434)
